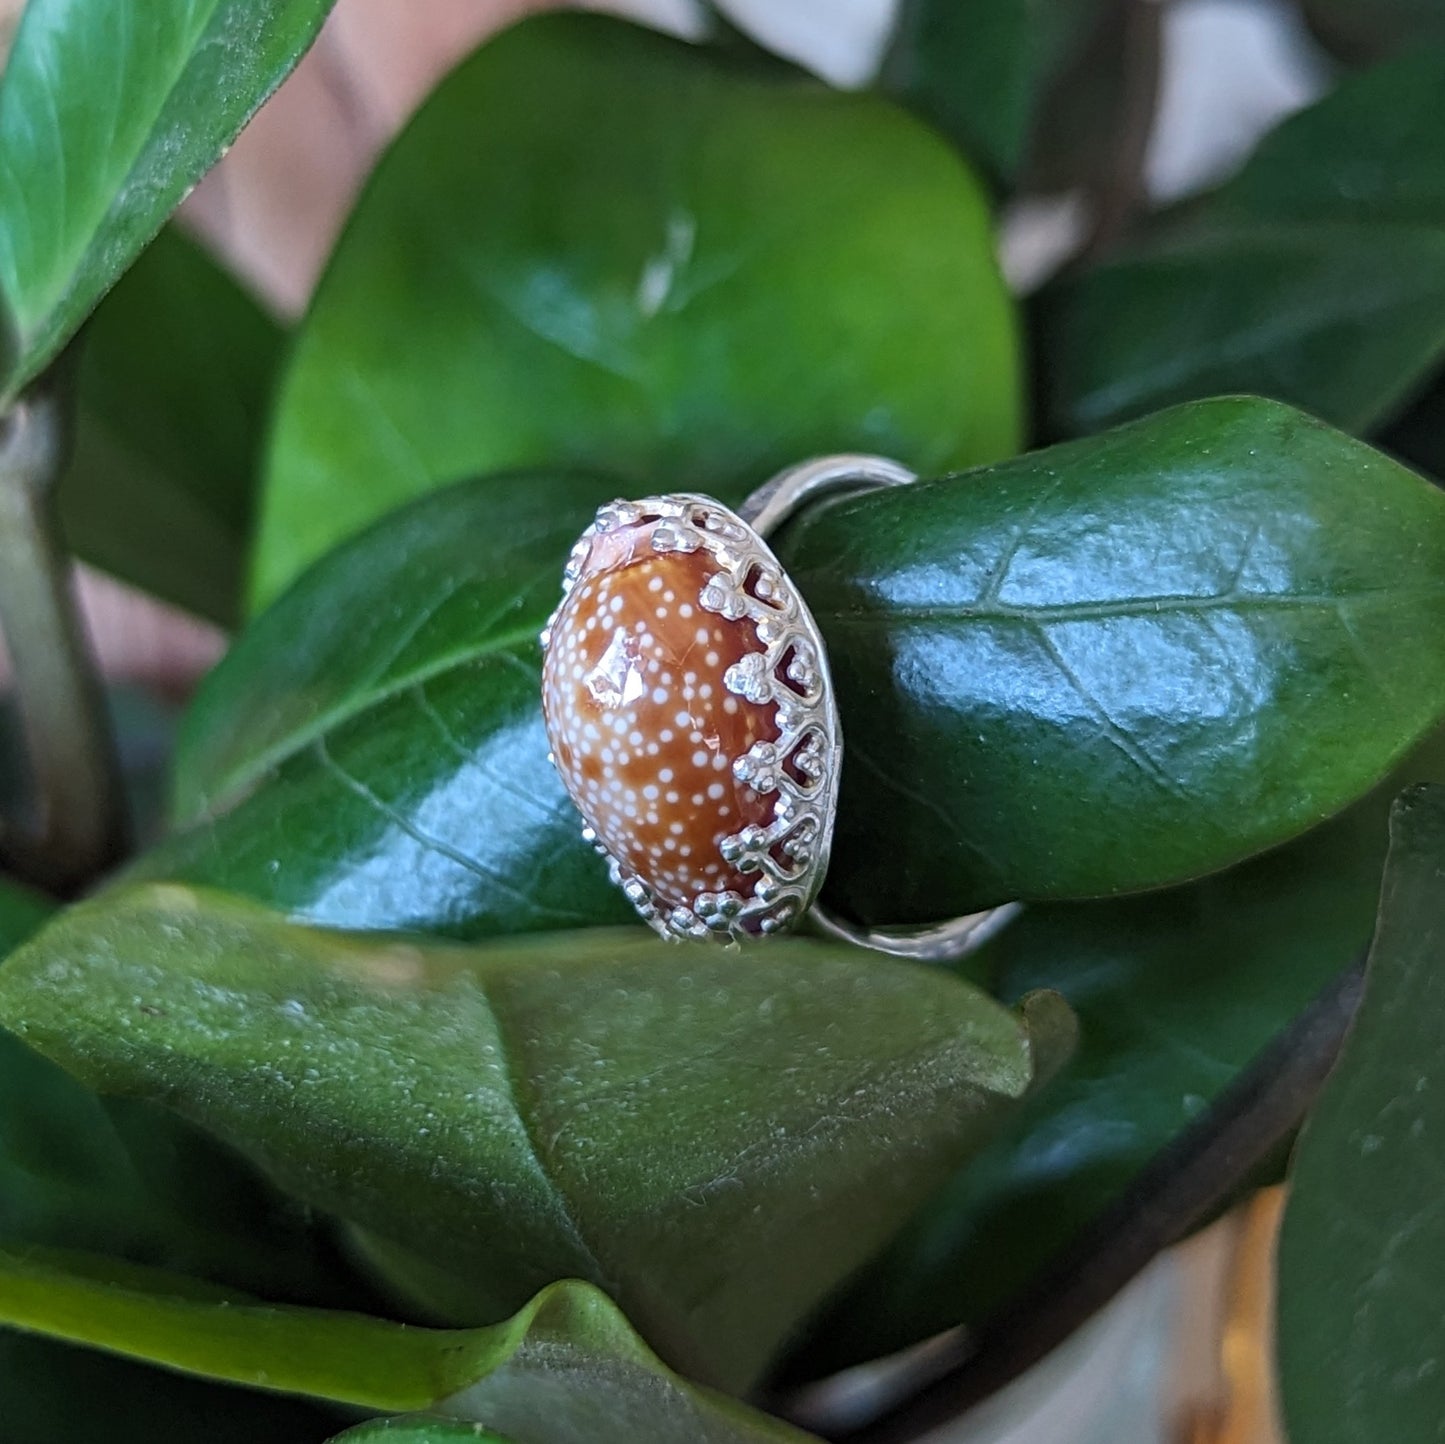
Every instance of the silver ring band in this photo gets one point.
(766, 510)
(778, 499)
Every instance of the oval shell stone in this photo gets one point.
(644, 732)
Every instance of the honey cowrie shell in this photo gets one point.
(691, 716)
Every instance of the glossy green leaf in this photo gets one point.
(1316, 276)
(174, 384)
(567, 1353)
(109, 112)
(1365, 30)
(597, 245)
(1123, 662)
(1050, 684)
(1176, 993)
(1360, 1328)
(382, 724)
(490, 1119)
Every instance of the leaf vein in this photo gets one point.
(1164, 605)
(419, 835)
(1109, 729)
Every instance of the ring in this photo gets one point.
(691, 716)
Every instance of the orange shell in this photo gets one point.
(644, 730)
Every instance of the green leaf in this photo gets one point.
(174, 385)
(382, 725)
(1344, 320)
(420, 1429)
(599, 246)
(1360, 1328)
(1049, 686)
(566, 1367)
(491, 1119)
(1124, 662)
(1368, 152)
(21, 913)
(109, 112)
(130, 1179)
(127, 1176)
(975, 69)
(1316, 276)
(1176, 993)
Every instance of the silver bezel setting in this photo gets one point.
(788, 858)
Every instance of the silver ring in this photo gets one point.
(692, 718)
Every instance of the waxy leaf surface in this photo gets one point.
(371, 752)
(491, 1119)
(1176, 993)
(110, 111)
(599, 246)
(1097, 669)
(1359, 1324)
(1124, 662)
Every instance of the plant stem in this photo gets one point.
(79, 823)
(1118, 191)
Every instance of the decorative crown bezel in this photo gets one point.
(787, 858)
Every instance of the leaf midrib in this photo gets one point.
(1171, 604)
(32, 321)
